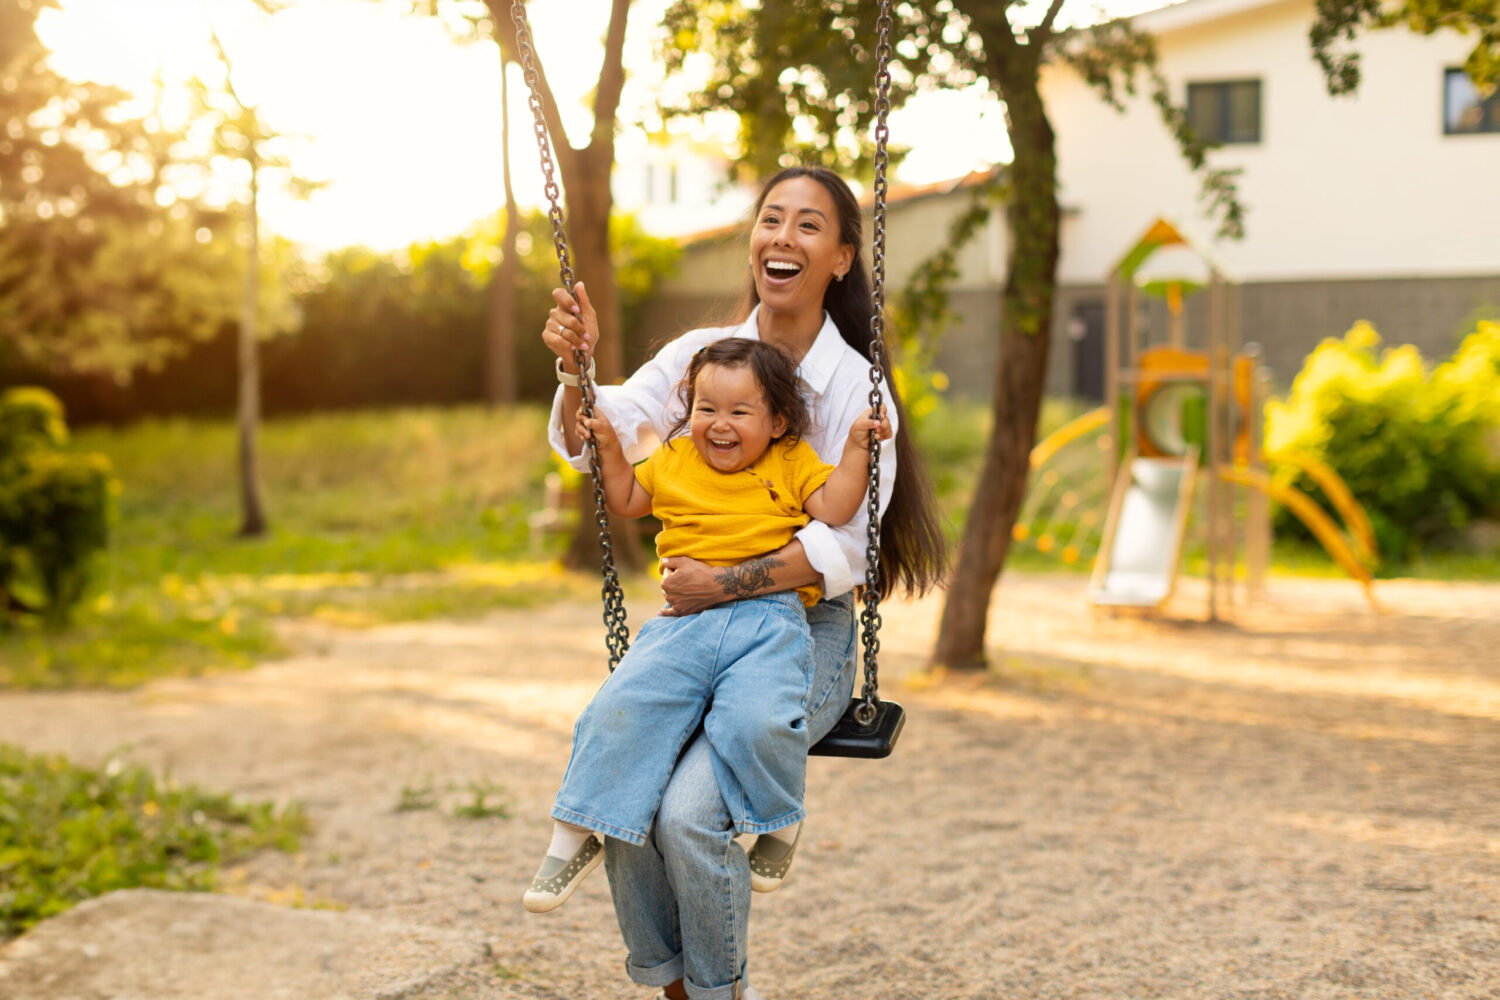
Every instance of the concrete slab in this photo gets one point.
(143, 944)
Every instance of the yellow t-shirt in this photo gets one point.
(723, 518)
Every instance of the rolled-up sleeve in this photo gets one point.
(639, 409)
(839, 553)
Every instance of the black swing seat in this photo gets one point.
(849, 738)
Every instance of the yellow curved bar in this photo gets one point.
(1310, 514)
(1337, 491)
(1067, 434)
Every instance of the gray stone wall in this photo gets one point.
(1288, 319)
(968, 350)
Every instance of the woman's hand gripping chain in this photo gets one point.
(571, 325)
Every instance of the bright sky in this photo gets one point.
(402, 121)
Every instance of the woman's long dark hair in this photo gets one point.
(913, 551)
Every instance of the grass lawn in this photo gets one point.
(385, 516)
(375, 516)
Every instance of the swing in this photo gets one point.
(869, 726)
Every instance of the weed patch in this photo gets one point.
(69, 833)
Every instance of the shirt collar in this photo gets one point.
(817, 368)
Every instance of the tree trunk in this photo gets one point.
(585, 181)
(253, 519)
(1026, 322)
(589, 202)
(500, 344)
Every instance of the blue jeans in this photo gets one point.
(683, 898)
(747, 664)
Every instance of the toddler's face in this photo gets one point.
(732, 424)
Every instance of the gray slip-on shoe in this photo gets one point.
(558, 877)
(770, 859)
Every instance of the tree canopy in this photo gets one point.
(103, 267)
(1339, 23)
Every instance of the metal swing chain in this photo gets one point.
(870, 617)
(616, 628)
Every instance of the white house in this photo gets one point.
(678, 188)
(1383, 205)
(714, 269)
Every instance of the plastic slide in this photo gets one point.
(1137, 565)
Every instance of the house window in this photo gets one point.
(1464, 111)
(1225, 112)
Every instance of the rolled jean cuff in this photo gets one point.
(780, 823)
(632, 837)
(726, 992)
(664, 974)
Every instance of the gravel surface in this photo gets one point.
(1303, 803)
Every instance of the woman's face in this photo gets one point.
(795, 250)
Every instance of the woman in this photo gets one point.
(683, 899)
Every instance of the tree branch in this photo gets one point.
(611, 77)
(1043, 31)
(223, 54)
(991, 22)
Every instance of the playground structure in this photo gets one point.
(1181, 433)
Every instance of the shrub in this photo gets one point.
(1418, 449)
(30, 420)
(1472, 376)
(54, 507)
(55, 518)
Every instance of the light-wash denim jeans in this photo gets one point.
(748, 665)
(683, 898)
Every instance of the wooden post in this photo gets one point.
(1258, 508)
(1112, 372)
(1213, 443)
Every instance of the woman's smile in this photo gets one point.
(779, 272)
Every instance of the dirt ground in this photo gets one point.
(1303, 803)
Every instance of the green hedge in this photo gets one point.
(54, 508)
(1419, 447)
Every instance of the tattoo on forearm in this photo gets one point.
(746, 579)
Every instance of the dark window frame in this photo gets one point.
(1222, 90)
(1489, 121)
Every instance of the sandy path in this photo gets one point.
(1304, 804)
